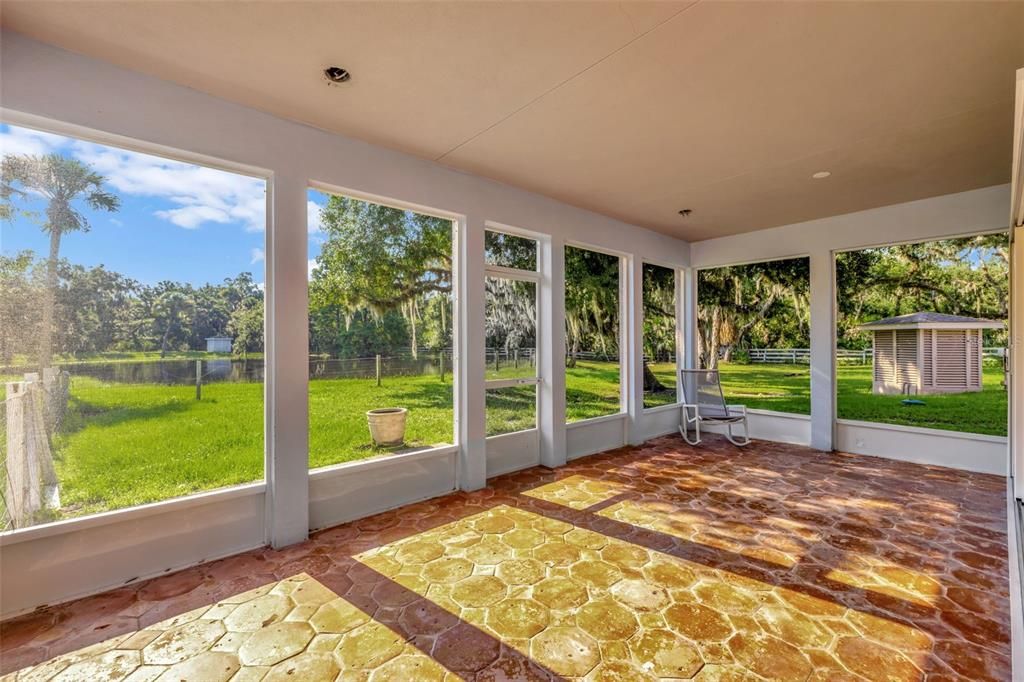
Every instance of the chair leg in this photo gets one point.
(685, 432)
(746, 435)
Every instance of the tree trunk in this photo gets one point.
(651, 383)
(49, 302)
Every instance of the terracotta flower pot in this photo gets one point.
(387, 425)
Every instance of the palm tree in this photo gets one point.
(62, 181)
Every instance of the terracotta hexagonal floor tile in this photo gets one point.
(494, 523)
(669, 574)
(875, 661)
(275, 643)
(517, 618)
(257, 613)
(698, 622)
(557, 553)
(489, 552)
(560, 593)
(726, 598)
(565, 651)
(665, 654)
(406, 668)
(305, 666)
(640, 595)
(182, 642)
(769, 656)
(596, 573)
(424, 617)
(420, 551)
(607, 620)
(889, 631)
(513, 668)
(521, 571)
(523, 538)
(209, 666)
(111, 665)
(625, 555)
(619, 671)
(478, 590)
(465, 648)
(447, 570)
(972, 663)
(368, 646)
(337, 616)
(585, 539)
(793, 627)
(399, 591)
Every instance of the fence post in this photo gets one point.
(497, 360)
(515, 354)
(199, 379)
(17, 475)
(378, 369)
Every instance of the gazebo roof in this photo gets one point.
(924, 320)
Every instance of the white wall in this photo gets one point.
(46, 87)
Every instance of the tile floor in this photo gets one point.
(664, 561)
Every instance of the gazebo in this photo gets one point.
(928, 353)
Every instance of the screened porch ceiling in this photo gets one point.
(633, 110)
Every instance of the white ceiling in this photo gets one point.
(631, 109)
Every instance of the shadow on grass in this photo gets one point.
(82, 413)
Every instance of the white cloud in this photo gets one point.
(256, 256)
(313, 213)
(25, 141)
(200, 195)
(197, 195)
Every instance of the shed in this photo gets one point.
(218, 344)
(928, 353)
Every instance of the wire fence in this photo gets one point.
(797, 356)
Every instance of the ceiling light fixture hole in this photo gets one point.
(336, 74)
(685, 212)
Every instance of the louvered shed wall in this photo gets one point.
(927, 361)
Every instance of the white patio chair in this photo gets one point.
(704, 403)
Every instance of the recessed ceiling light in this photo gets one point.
(821, 175)
(336, 74)
(685, 212)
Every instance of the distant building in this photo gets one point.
(928, 353)
(218, 344)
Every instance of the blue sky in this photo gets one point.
(177, 220)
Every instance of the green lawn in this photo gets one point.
(128, 444)
(786, 388)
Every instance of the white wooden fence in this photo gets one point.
(32, 411)
(797, 356)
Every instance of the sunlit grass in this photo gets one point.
(127, 444)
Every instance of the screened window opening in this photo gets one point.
(381, 311)
(921, 334)
(754, 327)
(131, 328)
(659, 347)
(593, 385)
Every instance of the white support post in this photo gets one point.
(634, 373)
(470, 412)
(688, 288)
(551, 404)
(823, 368)
(287, 351)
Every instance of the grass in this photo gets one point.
(786, 388)
(129, 444)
